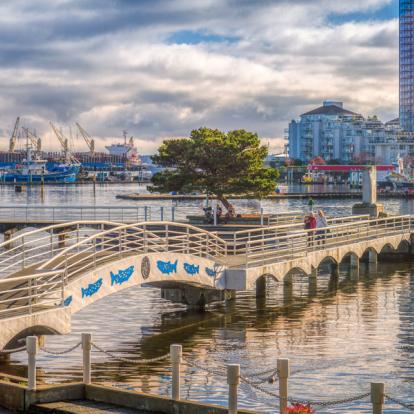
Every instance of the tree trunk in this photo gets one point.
(224, 201)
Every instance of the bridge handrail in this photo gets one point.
(56, 226)
(123, 227)
(29, 277)
(345, 219)
(310, 240)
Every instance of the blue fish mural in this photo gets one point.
(167, 267)
(122, 276)
(92, 288)
(68, 301)
(191, 269)
(210, 272)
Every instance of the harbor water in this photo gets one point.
(339, 338)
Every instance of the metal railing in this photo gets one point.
(264, 246)
(41, 244)
(33, 213)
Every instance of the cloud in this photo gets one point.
(159, 69)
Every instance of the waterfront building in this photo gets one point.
(334, 133)
(407, 65)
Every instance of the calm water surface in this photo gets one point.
(341, 337)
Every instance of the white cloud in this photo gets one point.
(110, 65)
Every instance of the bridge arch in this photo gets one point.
(404, 247)
(327, 260)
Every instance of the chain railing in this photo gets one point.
(397, 401)
(130, 360)
(231, 372)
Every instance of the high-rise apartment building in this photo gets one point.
(332, 132)
(407, 65)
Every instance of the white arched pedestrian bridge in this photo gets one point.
(48, 274)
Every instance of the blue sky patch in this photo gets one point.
(387, 12)
(190, 37)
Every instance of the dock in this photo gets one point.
(282, 196)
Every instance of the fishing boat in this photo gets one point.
(397, 179)
(33, 170)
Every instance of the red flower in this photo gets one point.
(300, 409)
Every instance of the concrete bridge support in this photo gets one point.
(333, 282)
(288, 290)
(372, 257)
(354, 267)
(193, 297)
(261, 287)
(313, 283)
(335, 270)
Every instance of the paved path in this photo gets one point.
(81, 407)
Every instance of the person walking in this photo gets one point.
(321, 225)
(310, 225)
(311, 204)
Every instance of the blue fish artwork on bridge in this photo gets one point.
(68, 301)
(92, 288)
(191, 269)
(122, 276)
(167, 267)
(210, 272)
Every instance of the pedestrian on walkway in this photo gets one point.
(321, 225)
(311, 204)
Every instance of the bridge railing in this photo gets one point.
(267, 248)
(134, 239)
(239, 239)
(33, 213)
(41, 244)
(31, 294)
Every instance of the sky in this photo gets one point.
(160, 68)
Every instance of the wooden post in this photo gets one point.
(233, 380)
(61, 239)
(176, 352)
(377, 397)
(86, 352)
(31, 348)
(283, 374)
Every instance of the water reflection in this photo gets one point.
(341, 333)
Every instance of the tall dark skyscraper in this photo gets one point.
(407, 65)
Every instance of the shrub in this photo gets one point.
(300, 409)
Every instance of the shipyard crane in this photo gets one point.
(34, 139)
(90, 142)
(13, 138)
(64, 142)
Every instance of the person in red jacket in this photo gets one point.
(310, 224)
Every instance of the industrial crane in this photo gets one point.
(90, 142)
(35, 140)
(64, 142)
(13, 138)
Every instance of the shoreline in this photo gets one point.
(283, 196)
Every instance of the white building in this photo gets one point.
(335, 133)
